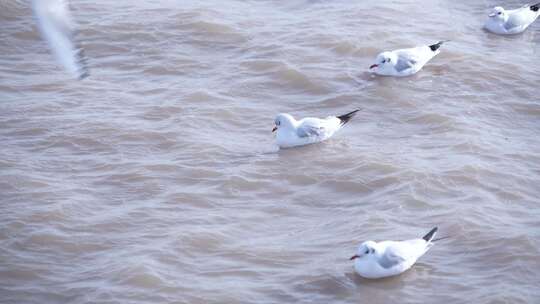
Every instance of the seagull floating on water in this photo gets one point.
(292, 132)
(507, 22)
(389, 258)
(58, 28)
(404, 62)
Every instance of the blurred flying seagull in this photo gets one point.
(58, 28)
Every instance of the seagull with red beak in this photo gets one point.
(389, 258)
(404, 62)
(292, 132)
(508, 22)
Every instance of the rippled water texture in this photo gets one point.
(157, 180)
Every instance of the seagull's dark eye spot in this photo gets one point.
(499, 13)
(367, 251)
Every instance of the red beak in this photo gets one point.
(354, 257)
(373, 66)
(274, 129)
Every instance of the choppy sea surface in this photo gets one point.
(157, 179)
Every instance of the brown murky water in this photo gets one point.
(156, 180)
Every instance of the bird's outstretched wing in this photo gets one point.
(57, 27)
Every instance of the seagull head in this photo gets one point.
(284, 120)
(498, 13)
(366, 249)
(385, 60)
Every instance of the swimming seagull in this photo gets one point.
(404, 62)
(58, 28)
(507, 22)
(378, 260)
(292, 132)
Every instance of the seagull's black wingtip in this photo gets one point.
(82, 61)
(437, 45)
(83, 75)
(429, 236)
(346, 117)
(535, 7)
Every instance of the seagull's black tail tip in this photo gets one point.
(535, 7)
(437, 45)
(83, 75)
(346, 117)
(429, 236)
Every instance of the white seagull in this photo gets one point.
(507, 22)
(404, 62)
(292, 132)
(389, 258)
(58, 28)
